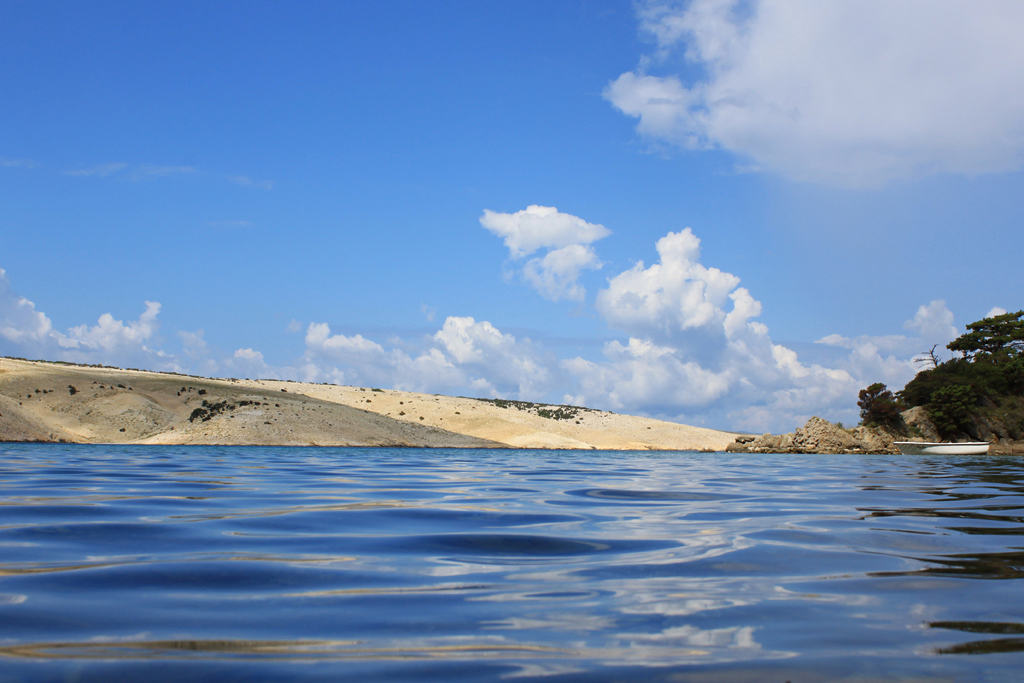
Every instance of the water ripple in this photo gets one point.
(172, 563)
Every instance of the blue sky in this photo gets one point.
(300, 190)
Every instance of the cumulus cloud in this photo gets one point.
(996, 310)
(566, 239)
(21, 324)
(251, 364)
(934, 323)
(696, 352)
(556, 275)
(641, 375)
(24, 331)
(536, 227)
(198, 351)
(891, 359)
(847, 94)
(464, 356)
(353, 359)
(110, 334)
(674, 295)
(506, 364)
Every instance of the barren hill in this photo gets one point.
(43, 401)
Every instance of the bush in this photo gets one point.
(952, 409)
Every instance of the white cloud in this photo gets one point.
(555, 275)
(464, 356)
(934, 324)
(319, 337)
(510, 366)
(890, 359)
(249, 355)
(355, 360)
(696, 353)
(537, 227)
(849, 94)
(565, 237)
(109, 334)
(642, 375)
(755, 385)
(20, 323)
(996, 310)
(674, 295)
(251, 364)
(198, 351)
(24, 331)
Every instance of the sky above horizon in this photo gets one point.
(728, 213)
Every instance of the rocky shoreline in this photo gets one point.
(822, 436)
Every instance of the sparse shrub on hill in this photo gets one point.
(561, 412)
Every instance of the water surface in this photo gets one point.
(244, 563)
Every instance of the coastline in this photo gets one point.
(59, 402)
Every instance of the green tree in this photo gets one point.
(952, 409)
(996, 336)
(878, 406)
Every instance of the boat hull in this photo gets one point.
(932, 448)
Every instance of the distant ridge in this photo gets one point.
(65, 402)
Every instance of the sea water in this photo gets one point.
(325, 564)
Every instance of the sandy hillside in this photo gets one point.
(41, 401)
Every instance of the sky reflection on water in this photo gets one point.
(234, 563)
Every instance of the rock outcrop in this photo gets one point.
(919, 424)
(819, 436)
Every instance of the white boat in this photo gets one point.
(932, 448)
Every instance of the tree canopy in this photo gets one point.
(878, 406)
(985, 383)
(998, 335)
